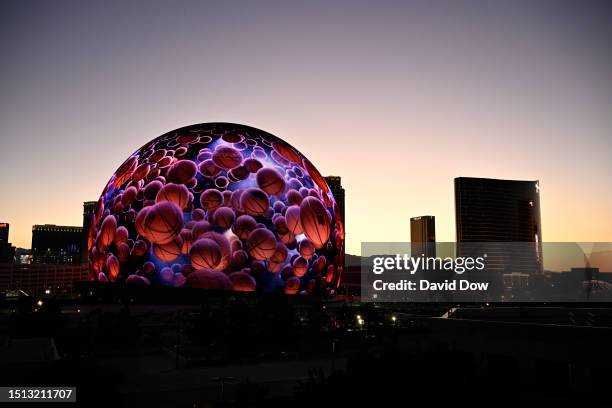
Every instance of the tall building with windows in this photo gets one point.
(423, 235)
(335, 184)
(7, 251)
(88, 210)
(502, 219)
(56, 244)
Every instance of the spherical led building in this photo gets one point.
(218, 206)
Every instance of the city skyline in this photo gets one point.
(399, 102)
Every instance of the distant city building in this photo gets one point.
(7, 251)
(423, 235)
(335, 184)
(585, 273)
(502, 219)
(88, 210)
(36, 279)
(56, 244)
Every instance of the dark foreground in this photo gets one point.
(276, 352)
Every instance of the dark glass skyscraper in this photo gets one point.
(335, 184)
(7, 251)
(504, 216)
(56, 244)
(423, 236)
(88, 210)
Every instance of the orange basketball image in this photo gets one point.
(187, 138)
(112, 267)
(121, 235)
(174, 193)
(208, 279)
(140, 248)
(243, 226)
(252, 165)
(141, 172)
(224, 244)
(205, 253)
(150, 190)
(227, 157)
(315, 220)
(211, 199)
(137, 280)
(242, 282)
(170, 251)
(139, 222)
(223, 217)
(182, 171)
(200, 228)
(280, 254)
(254, 201)
(261, 244)
(270, 181)
(306, 248)
(300, 266)
(128, 196)
(292, 286)
(107, 230)
(163, 222)
(292, 220)
(294, 197)
(208, 168)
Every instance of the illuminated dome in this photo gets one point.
(218, 206)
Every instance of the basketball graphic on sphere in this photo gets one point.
(294, 197)
(254, 201)
(200, 228)
(223, 217)
(205, 253)
(208, 279)
(300, 266)
(123, 251)
(182, 171)
(280, 254)
(292, 220)
(141, 172)
(292, 286)
(140, 248)
(242, 282)
(163, 222)
(224, 244)
(306, 248)
(270, 181)
(128, 196)
(121, 235)
(226, 157)
(170, 251)
(261, 244)
(174, 193)
(240, 257)
(208, 168)
(112, 267)
(252, 165)
(107, 230)
(218, 206)
(243, 226)
(137, 280)
(315, 220)
(151, 189)
(211, 199)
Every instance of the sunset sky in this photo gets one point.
(397, 98)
